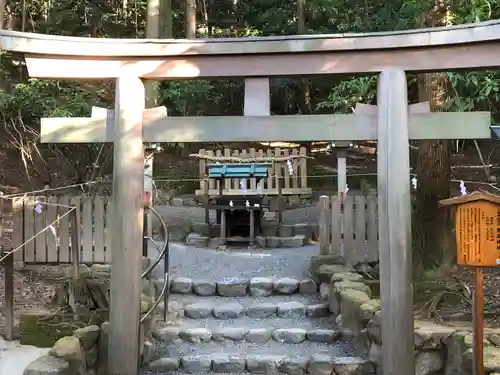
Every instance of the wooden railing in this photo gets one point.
(295, 184)
(53, 246)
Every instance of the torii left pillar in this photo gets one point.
(127, 226)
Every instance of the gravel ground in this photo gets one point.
(214, 264)
(201, 263)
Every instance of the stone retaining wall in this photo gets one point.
(439, 349)
(272, 234)
(85, 351)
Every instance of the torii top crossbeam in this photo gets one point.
(472, 46)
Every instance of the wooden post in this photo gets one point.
(75, 256)
(341, 189)
(279, 186)
(148, 188)
(324, 227)
(252, 225)
(394, 224)
(341, 171)
(223, 231)
(207, 199)
(126, 243)
(478, 319)
(6, 233)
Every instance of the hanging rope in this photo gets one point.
(255, 159)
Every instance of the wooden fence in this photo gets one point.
(349, 227)
(295, 184)
(54, 244)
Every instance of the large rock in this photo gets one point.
(228, 310)
(261, 286)
(324, 273)
(262, 310)
(286, 285)
(303, 229)
(323, 335)
(429, 335)
(320, 364)
(289, 335)
(197, 364)
(429, 363)
(177, 232)
(294, 366)
(291, 309)
(224, 334)
(201, 228)
(285, 230)
(308, 287)
(293, 241)
(195, 335)
(47, 365)
(491, 360)
(197, 240)
(273, 242)
(351, 301)
(181, 285)
(368, 309)
(232, 287)
(205, 287)
(318, 310)
(337, 287)
(269, 228)
(346, 276)
(198, 310)
(223, 363)
(167, 334)
(258, 335)
(164, 365)
(320, 260)
(69, 349)
(263, 364)
(88, 336)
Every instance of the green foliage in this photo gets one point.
(32, 99)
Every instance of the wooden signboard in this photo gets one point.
(477, 227)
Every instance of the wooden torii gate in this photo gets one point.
(129, 125)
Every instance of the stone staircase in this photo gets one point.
(233, 314)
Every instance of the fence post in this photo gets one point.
(5, 246)
(324, 235)
(75, 256)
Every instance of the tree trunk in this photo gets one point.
(167, 28)
(190, 19)
(3, 4)
(152, 32)
(301, 28)
(433, 235)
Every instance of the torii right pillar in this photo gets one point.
(394, 209)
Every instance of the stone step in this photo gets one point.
(290, 335)
(246, 322)
(265, 363)
(237, 287)
(269, 242)
(226, 308)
